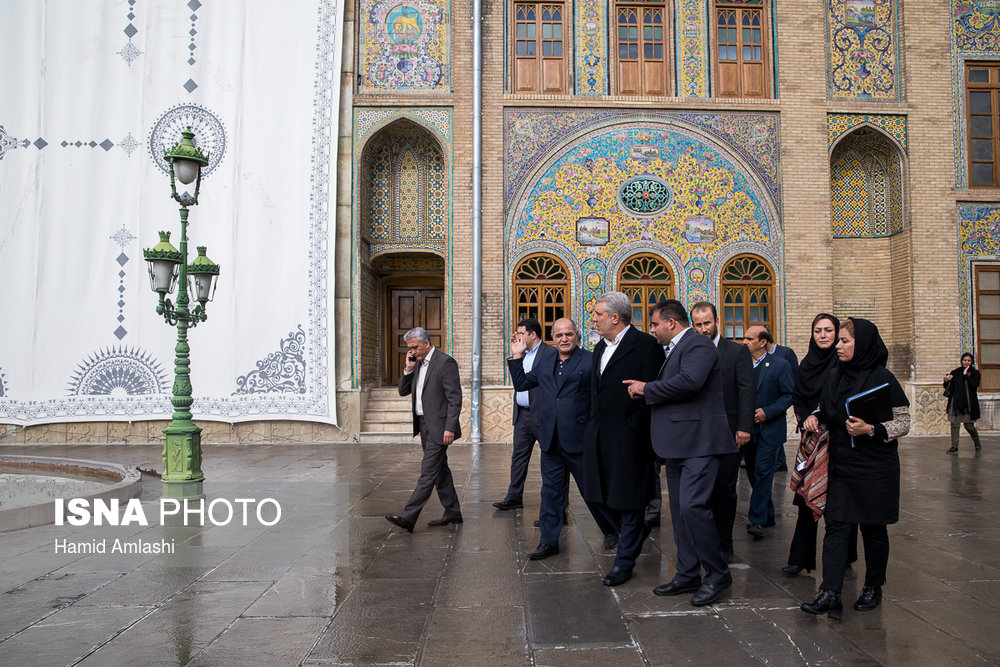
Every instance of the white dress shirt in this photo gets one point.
(419, 389)
(527, 362)
(611, 347)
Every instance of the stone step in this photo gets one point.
(390, 414)
(392, 427)
(383, 404)
(383, 392)
(385, 437)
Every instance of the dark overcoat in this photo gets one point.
(863, 482)
(617, 454)
(563, 400)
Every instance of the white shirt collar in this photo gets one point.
(618, 338)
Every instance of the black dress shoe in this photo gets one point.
(508, 504)
(610, 541)
(400, 521)
(616, 576)
(710, 593)
(755, 530)
(827, 602)
(792, 570)
(677, 587)
(543, 551)
(444, 521)
(871, 597)
(952, 450)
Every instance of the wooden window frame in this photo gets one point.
(666, 43)
(766, 42)
(992, 86)
(564, 60)
(745, 286)
(542, 286)
(629, 287)
(990, 371)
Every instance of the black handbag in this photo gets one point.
(950, 389)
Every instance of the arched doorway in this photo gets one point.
(403, 241)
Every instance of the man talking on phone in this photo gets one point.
(431, 377)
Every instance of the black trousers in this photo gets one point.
(525, 437)
(723, 501)
(835, 546)
(802, 551)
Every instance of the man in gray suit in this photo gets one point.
(431, 377)
(691, 434)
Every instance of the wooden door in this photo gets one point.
(412, 307)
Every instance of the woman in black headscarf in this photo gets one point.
(960, 387)
(808, 477)
(864, 466)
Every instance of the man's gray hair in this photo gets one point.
(419, 333)
(618, 303)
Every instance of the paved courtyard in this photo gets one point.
(333, 583)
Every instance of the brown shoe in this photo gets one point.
(445, 520)
(400, 521)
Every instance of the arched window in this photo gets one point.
(541, 290)
(647, 280)
(747, 296)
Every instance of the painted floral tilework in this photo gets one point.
(404, 46)
(863, 49)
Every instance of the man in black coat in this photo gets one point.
(739, 395)
(561, 383)
(617, 454)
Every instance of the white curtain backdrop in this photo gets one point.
(90, 95)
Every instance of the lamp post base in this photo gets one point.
(182, 453)
(182, 491)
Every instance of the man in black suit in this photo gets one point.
(774, 396)
(690, 434)
(431, 377)
(526, 412)
(617, 456)
(562, 383)
(788, 354)
(739, 396)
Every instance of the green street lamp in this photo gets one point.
(169, 268)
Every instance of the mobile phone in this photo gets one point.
(411, 357)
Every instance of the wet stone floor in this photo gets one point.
(333, 583)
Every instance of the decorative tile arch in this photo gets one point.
(708, 170)
(366, 123)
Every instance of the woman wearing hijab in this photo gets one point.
(864, 466)
(809, 476)
(963, 403)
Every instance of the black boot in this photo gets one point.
(871, 597)
(979, 445)
(952, 450)
(827, 602)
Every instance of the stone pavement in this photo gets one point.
(332, 583)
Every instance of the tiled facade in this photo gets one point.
(847, 180)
